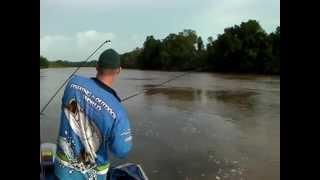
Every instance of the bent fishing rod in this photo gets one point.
(76, 70)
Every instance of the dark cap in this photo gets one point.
(109, 59)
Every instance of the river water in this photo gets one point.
(201, 126)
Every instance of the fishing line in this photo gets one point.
(161, 84)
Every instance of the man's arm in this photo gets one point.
(121, 139)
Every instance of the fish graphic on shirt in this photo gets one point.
(86, 129)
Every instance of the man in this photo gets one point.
(93, 121)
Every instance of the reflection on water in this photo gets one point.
(141, 79)
(201, 126)
(190, 94)
(183, 94)
(244, 100)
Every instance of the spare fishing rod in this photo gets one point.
(54, 95)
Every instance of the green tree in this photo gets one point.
(180, 50)
(244, 48)
(200, 46)
(150, 56)
(273, 66)
(130, 59)
(44, 63)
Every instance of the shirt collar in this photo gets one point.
(107, 88)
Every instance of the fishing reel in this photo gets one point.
(47, 153)
(47, 158)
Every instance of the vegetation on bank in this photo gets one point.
(61, 63)
(244, 48)
(44, 63)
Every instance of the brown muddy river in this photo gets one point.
(201, 126)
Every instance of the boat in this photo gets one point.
(127, 171)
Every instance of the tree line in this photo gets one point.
(63, 63)
(244, 48)
(45, 63)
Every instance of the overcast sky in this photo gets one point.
(72, 29)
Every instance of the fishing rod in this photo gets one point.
(54, 95)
